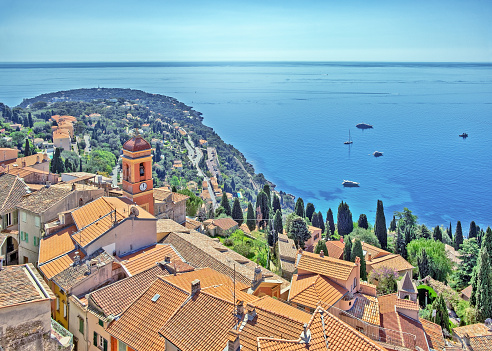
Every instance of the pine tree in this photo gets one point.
(309, 211)
(469, 251)
(225, 203)
(362, 222)
(425, 232)
(344, 219)
(441, 318)
(358, 252)
(330, 220)
(472, 233)
(27, 148)
(321, 222)
(458, 236)
(483, 279)
(380, 226)
(276, 203)
(423, 264)
(277, 222)
(347, 250)
(437, 233)
(299, 209)
(237, 212)
(250, 218)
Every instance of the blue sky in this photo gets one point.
(161, 30)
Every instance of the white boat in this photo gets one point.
(349, 141)
(350, 183)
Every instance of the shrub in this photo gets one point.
(385, 278)
(431, 294)
(242, 249)
(228, 242)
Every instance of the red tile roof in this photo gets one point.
(144, 259)
(327, 266)
(434, 334)
(137, 143)
(335, 249)
(310, 289)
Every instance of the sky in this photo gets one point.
(267, 30)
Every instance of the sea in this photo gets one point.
(290, 120)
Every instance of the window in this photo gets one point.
(101, 323)
(101, 343)
(355, 283)
(122, 346)
(15, 218)
(64, 310)
(37, 221)
(359, 329)
(57, 303)
(21, 235)
(81, 325)
(142, 170)
(9, 219)
(23, 216)
(35, 241)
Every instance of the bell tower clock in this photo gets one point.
(137, 172)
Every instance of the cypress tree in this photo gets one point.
(330, 220)
(425, 233)
(437, 233)
(423, 264)
(233, 186)
(328, 232)
(458, 236)
(380, 226)
(441, 318)
(262, 205)
(309, 211)
(450, 231)
(266, 190)
(321, 222)
(483, 279)
(29, 120)
(158, 153)
(276, 204)
(225, 203)
(68, 166)
(250, 218)
(362, 222)
(314, 219)
(299, 231)
(299, 209)
(321, 245)
(237, 212)
(347, 250)
(393, 224)
(27, 148)
(401, 245)
(344, 219)
(472, 233)
(277, 222)
(80, 165)
(358, 252)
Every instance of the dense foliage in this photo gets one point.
(439, 264)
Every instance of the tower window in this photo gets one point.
(142, 170)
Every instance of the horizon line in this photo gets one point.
(244, 61)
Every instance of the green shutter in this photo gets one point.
(95, 339)
(105, 345)
(16, 215)
(21, 236)
(101, 323)
(27, 237)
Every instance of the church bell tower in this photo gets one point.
(137, 173)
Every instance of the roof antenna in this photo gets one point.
(234, 302)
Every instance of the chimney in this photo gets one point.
(369, 257)
(233, 343)
(251, 313)
(321, 253)
(240, 307)
(306, 335)
(73, 186)
(341, 239)
(357, 261)
(76, 258)
(167, 259)
(195, 286)
(48, 184)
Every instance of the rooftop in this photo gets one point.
(136, 143)
(12, 188)
(327, 266)
(143, 259)
(168, 226)
(56, 245)
(310, 289)
(21, 284)
(478, 329)
(335, 248)
(44, 198)
(366, 308)
(394, 261)
(162, 194)
(434, 334)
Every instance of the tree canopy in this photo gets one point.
(298, 231)
(237, 212)
(309, 211)
(380, 226)
(439, 264)
(362, 222)
(299, 209)
(344, 219)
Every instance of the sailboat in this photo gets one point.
(348, 142)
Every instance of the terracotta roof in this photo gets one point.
(202, 251)
(73, 274)
(139, 324)
(43, 199)
(374, 250)
(327, 266)
(11, 191)
(137, 143)
(335, 249)
(245, 228)
(204, 319)
(115, 298)
(32, 159)
(407, 304)
(434, 334)
(57, 244)
(478, 329)
(162, 194)
(168, 226)
(224, 223)
(481, 343)
(192, 224)
(53, 267)
(272, 319)
(208, 278)
(17, 285)
(287, 249)
(467, 291)
(324, 329)
(366, 308)
(310, 289)
(394, 261)
(23, 172)
(141, 260)
(387, 303)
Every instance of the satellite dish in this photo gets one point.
(134, 211)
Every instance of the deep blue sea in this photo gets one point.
(291, 119)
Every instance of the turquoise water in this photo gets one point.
(291, 119)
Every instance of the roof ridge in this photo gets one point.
(274, 312)
(11, 188)
(307, 286)
(332, 260)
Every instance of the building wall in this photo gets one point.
(129, 235)
(62, 304)
(115, 346)
(7, 154)
(42, 166)
(76, 313)
(170, 346)
(36, 311)
(100, 276)
(168, 209)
